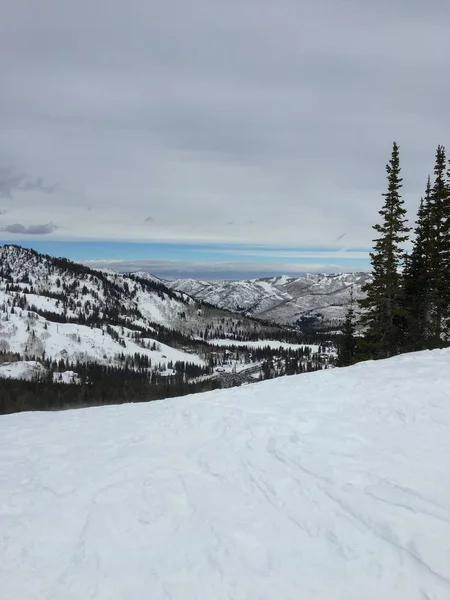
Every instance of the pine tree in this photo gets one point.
(439, 264)
(347, 346)
(384, 316)
(417, 279)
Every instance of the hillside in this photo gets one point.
(55, 308)
(319, 299)
(323, 486)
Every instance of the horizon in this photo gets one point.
(232, 262)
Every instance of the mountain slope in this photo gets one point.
(283, 300)
(54, 308)
(59, 309)
(327, 486)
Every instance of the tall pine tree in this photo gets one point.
(347, 345)
(384, 316)
(417, 279)
(439, 263)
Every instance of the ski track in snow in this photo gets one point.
(333, 485)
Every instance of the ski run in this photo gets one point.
(331, 485)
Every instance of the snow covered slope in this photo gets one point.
(283, 300)
(31, 370)
(22, 369)
(334, 485)
(35, 336)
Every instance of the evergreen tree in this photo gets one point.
(439, 263)
(417, 279)
(384, 317)
(347, 346)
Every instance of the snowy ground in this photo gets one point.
(333, 485)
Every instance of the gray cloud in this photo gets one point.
(205, 113)
(12, 180)
(149, 220)
(43, 229)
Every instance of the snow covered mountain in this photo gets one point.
(61, 310)
(318, 298)
(325, 486)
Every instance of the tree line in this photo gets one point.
(100, 385)
(407, 301)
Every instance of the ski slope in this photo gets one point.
(332, 485)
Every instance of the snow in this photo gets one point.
(22, 369)
(43, 303)
(66, 377)
(331, 485)
(31, 370)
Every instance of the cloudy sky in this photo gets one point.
(203, 136)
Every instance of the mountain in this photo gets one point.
(58, 308)
(318, 299)
(53, 309)
(324, 486)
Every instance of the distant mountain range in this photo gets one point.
(317, 299)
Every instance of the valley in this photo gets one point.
(77, 330)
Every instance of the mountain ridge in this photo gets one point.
(318, 297)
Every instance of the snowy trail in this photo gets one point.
(323, 486)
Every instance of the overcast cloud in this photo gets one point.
(267, 122)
